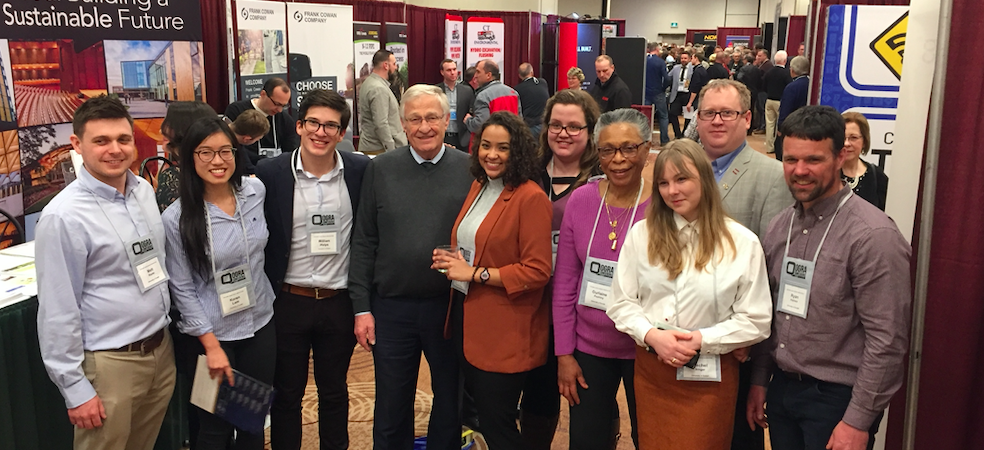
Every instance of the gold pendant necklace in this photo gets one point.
(613, 222)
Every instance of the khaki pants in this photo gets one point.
(135, 390)
(771, 116)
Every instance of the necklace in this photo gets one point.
(613, 235)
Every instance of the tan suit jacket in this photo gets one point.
(506, 329)
(754, 190)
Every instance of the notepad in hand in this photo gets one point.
(244, 405)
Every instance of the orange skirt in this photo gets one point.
(691, 415)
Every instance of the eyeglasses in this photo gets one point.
(572, 130)
(628, 151)
(312, 126)
(279, 105)
(708, 114)
(226, 153)
(854, 138)
(431, 120)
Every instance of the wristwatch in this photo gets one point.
(484, 277)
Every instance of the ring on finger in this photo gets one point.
(673, 361)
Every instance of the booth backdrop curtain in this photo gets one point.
(214, 45)
(724, 32)
(818, 34)
(950, 394)
(425, 33)
(379, 11)
(795, 33)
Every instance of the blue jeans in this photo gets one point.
(662, 116)
(803, 414)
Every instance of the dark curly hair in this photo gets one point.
(523, 162)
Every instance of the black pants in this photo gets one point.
(676, 110)
(744, 438)
(591, 420)
(803, 414)
(325, 327)
(760, 98)
(540, 394)
(255, 357)
(496, 396)
(404, 328)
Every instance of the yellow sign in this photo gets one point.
(889, 46)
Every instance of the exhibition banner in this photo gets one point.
(365, 36)
(454, 26)
(396, 42)
(485, 37)
(55, 55)
(862, 68)
(311, 30)
(260, 29)
(588, 49)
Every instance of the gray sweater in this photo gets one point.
(406, 210)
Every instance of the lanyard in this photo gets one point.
(208, 229)
(594, 228)
(293, 171)
(113, 223)
(789, 234)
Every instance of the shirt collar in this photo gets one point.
(104, 190)
(721, 164)
(421, 160)
(826, 206)
(339, 166)
(686, 231)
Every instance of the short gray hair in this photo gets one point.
(625, 115)
(800, 65)
(419, 90)
(780, 58)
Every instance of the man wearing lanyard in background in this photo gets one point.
(311, 203)
(102, 289)
(839, 271)
(273, 101)
(460, 98)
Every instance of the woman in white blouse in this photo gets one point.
(691, 288)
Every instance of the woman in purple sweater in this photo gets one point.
(593, 357)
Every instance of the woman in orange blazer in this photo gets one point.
(498, 274)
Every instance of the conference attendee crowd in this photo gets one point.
(531, 246)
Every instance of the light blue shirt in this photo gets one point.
(421, 160)
(88, 295)
(721, 164)
(194, 293)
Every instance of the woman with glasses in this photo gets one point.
(216, 230)
(498, 274)
(690, 287)
(593, 356)
(866, 179)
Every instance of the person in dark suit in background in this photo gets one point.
(308, 263)
(273, 101)
(460, 98)
(794, 96)
(533, 95)
(657, 80)
(719, 70)
(751, 76)
(774, 81)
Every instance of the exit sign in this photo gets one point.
(674, 24)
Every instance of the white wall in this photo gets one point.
(540, 6)
(648, 18)
(582, 7)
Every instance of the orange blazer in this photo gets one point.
(506, 329)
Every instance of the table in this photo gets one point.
(32, 411)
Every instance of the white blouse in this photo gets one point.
(728, 301)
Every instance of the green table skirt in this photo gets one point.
(32, 411)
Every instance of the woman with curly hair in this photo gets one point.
(502, 263)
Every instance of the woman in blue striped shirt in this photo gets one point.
(217, 231)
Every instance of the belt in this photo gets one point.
(144, 346)
(315, 293)
(798, 377)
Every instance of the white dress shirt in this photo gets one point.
(728, 301)
(326, 192)
(88, 296)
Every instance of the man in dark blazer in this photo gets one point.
(794, 96)
(311, 203)
(460, 98)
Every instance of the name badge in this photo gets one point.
(454, 114)
(708, 368)
(235, 289)
(270, 152)
(323, 228)
(468, 254)
(145, 260)
(794, 286)
(554, 243)
(596, 283)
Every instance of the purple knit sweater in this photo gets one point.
(581, 327)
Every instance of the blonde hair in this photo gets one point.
(665, 248)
